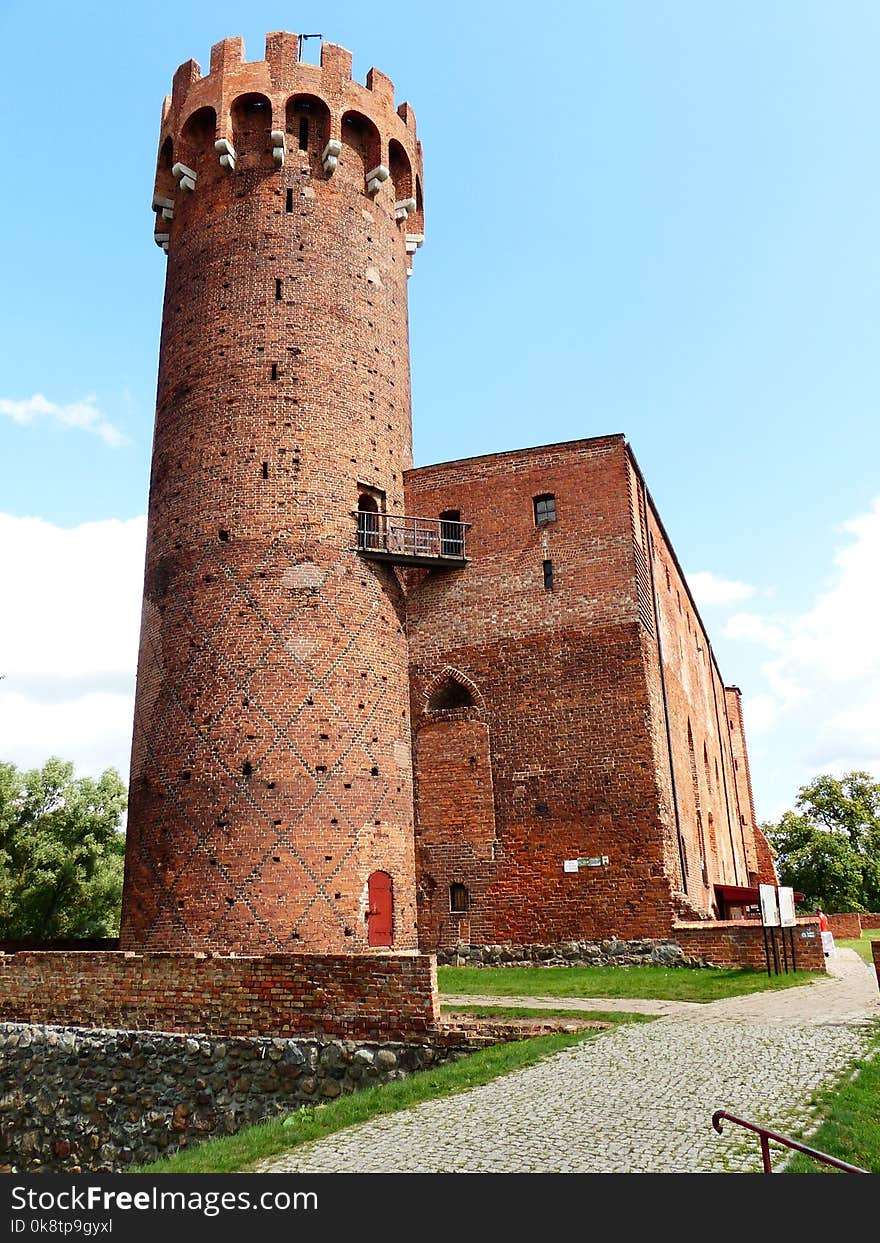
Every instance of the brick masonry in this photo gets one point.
(287, 687)
(847, 924)
(740, 943)
(604, 735)
(271, 772)
(349, 996)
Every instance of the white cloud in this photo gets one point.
(818, 709)
(754, 629)
(68, 640)
(709, 588)
(84, 415)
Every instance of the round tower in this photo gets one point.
(271, 789)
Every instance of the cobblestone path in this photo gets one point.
(638, 1099)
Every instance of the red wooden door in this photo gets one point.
(380, 917)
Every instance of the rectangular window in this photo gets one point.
(278, 289)
(548, 575)
(545, 509)
(459, 898)
(288, 201)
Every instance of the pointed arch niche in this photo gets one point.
(451, 690)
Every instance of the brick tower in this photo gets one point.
(271, 799)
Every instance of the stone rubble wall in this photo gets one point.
(76, 1099)
(704, 943)
(608, 953)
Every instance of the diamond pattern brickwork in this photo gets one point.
(271, 770)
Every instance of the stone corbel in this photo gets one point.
(413, 242)
(162, 240)
(375, 177)
(163, 205)
(279, 146)
(226, 152)
(330, 156)
(185, 176)
(403, 208)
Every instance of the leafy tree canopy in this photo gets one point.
(829, 847)
(61, 852)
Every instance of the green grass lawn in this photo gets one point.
(237, 1152)
(523, 1012)
(863, 944)
(851, 1127)
(660, 983)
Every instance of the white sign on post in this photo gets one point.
(787, 917)
(769, 909)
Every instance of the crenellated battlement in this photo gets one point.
(244, 114)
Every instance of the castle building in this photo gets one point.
(581, 768)
(377, 707)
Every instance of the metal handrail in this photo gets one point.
(356, 513)
(766, 1135)
(407, 535)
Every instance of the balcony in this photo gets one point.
(427, 543)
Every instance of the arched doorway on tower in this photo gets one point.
(380, 909)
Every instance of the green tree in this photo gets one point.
(829, 848)
(61, 852)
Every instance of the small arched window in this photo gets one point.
(459, 898)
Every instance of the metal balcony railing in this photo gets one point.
(405, 540)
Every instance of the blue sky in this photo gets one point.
(651, 218)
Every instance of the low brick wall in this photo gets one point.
(870, 919)
(875, 950)
(848, 924)
(382, 996)
(76, 1100)
(740, 943)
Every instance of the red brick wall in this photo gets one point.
(875, 951)
(870, 920)
(766, 859)
(456, 838)
(848, 924)
(271, 769)
(710, 819)
(350, 995)
(740, 943)
(577, 698)
(560, 685)
(756, 860)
